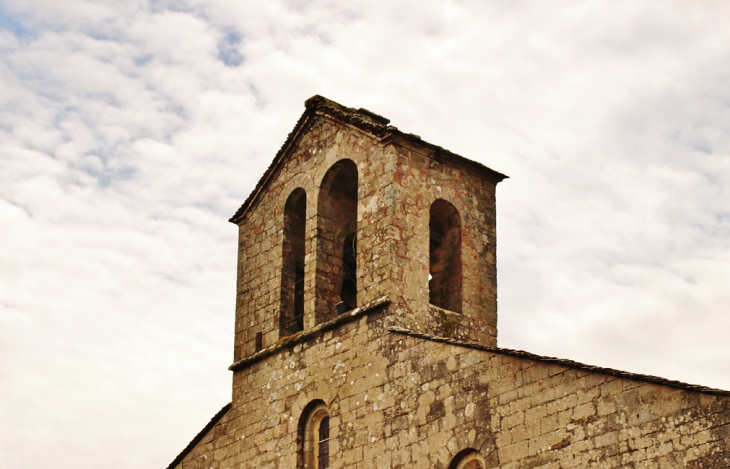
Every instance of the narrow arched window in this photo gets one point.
(323, 445)
(291, 318)
(314, 437)
(337, 241)
(445, 271)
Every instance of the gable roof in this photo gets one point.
(367, 121)
(201, 434)
(564, 362)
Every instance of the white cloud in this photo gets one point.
(130, 131)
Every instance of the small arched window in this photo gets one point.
(314, 437)
(323, 444)
(444, 285)
(468, 459)
(337, 241)
(291, 316)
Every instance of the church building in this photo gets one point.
(366, 329)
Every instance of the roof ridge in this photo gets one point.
(564, 362)
(360, 118)
(363, 119)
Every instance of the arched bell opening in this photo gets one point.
(445, 271)
(337, 241)
(291, 318)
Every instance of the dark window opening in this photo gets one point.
(336, 284)
(323, 449)
(348, 292)
(313, 437)
(259, 341)
(444, 285)
(291, 319)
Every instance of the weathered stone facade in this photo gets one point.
(366, 329)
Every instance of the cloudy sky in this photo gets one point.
(130, 132)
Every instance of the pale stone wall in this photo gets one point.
(324, 142)
(419, 180)
(553, 416)
(399, 401)
(398, 180)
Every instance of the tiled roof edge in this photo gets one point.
(360, 118)
(565, 362)
(363, 119)
(216, 418)
(269, 171)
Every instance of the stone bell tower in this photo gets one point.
(354, 214)
(366, 329)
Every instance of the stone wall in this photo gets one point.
(398, 400)
(398, 382)
(421, 178)
(382, 189)
(322, 143)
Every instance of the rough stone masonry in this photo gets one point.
(366, 329)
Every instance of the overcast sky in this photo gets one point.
(131, 131)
